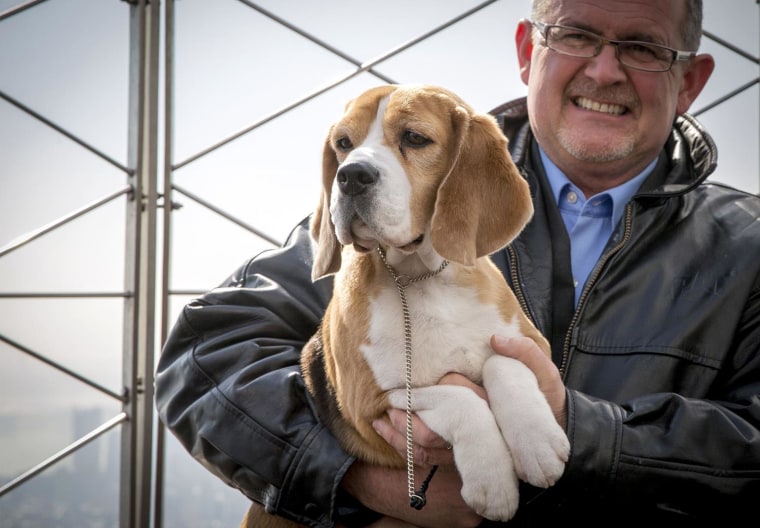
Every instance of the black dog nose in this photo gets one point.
(354, 178)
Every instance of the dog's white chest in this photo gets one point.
(450, 331)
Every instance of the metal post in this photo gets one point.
(168, 202)
(139, 313)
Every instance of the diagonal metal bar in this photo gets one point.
(60, 455)
(194, 293)
(25, 239)
(221, 212)
(21, 106)
(319, 42)
(362, 68)
(265, 120)
(735, 49)
(63, 295)
(65, 370)
(740, 89)
(19, 8)
(728, 96)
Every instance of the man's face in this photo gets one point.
(596, 116)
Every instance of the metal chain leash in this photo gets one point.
(416, 498)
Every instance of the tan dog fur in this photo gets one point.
(446, 189)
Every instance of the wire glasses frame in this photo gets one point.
(644, 56)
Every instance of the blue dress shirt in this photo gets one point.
(589, 221)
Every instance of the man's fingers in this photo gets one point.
(428, 448)
(549, 379)
(422, 435)
(528, 352)
(454, 378)
(521, 348)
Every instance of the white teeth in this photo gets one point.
(605, 108)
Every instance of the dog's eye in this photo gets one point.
(414, 139)
(344, 144)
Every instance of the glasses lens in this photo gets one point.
(570, 41)
(580, 43)
(645, 56)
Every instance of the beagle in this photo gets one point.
(417, 190)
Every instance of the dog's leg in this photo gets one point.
(538, 444)
(459, 416)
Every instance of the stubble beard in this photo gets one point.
(583, 150)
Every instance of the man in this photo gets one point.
(644, 277)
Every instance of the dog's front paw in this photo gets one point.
(457, 414)
(489, 482)
(539, 446)
(494, 498)
(540, 453)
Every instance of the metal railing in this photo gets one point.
(136, 418)
(147, 278)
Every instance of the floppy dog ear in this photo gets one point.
(484, 202)
(327, 251)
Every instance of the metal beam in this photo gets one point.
(61, 130)
(362, 67)
(140, 272)
(47, 228)
(166, 239)
(74, 446)
(79, 377)
(19, 8)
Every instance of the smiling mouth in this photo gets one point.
(603, 108)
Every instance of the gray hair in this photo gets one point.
(691, 29)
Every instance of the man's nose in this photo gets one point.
(606, 68)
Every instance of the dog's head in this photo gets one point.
(413, 166)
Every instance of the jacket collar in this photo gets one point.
(689, 157)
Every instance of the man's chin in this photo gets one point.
(603, 150)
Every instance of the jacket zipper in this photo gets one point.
(590, 283)
(516, 287)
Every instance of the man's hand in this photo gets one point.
(385, 491)
(549, 379)
(429, 448)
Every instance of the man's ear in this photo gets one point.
(695, 76)
(524, 46)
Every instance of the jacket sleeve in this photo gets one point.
(667, 453)
(229, 386)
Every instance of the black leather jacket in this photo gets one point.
(661, 358)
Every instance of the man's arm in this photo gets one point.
(229, 386)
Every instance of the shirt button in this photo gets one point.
(572, 197)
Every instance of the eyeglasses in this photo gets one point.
(584, 44)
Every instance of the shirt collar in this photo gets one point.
(619, 195)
